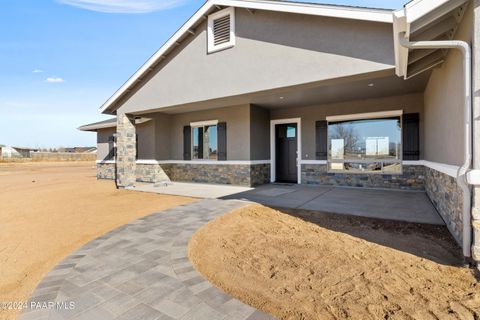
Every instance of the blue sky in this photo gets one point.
(61, 59)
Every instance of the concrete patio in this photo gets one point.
(410, 206)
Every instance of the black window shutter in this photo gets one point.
(222, 141)
(187, 140)
(200, 142)
(136, 147)
(411, 136)
(321, 140)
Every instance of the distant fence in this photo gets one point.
(62, 156)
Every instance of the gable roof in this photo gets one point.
(335, 11)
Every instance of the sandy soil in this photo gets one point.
(48, 210)
(324, 266)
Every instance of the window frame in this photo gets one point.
(202, 124)
(211, 47)
(366, 116)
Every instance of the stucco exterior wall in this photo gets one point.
(162, 136)
(103, 146)
(238, 130)
(259, 133)
(444, 123)
(411, 103)
(273, 50)
(146, 144)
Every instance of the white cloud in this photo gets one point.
(37, 71)
(54, 80)
(124, 6)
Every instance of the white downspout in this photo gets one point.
(462, 180)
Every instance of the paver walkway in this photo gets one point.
(141, 271)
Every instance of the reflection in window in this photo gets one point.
(204, 142)
(365, 146)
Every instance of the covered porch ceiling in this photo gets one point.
(366, 86)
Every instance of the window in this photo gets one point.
(111, 148)
(365, 145)
(204, 142)
(221, 30)
(291, 131)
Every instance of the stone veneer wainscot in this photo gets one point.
(106, 171)
(447, 197)
(412, 178)
(150, 173)
(234, 174)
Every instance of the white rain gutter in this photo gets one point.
(463, 172)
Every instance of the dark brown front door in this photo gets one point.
(286, 152)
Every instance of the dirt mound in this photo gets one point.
(338, 267)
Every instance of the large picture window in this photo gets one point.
(204, 142)
(370, 145)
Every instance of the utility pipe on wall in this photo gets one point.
(462, 181)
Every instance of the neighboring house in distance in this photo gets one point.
(16, 152)
(252, 92)
(78, 150)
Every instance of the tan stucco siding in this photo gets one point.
(273, 50)
(103, 145)
(146, 140)
(444, 118)
(412, 103)
(238, 130)
(259, 133)
(162, 136)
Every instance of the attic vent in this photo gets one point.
(221, 30)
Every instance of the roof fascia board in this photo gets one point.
(366, 15)
(96, 127)
(326, 11)
(415, 10)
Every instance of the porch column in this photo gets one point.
(476, 129)
(126, 151)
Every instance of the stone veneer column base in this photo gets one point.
(412, 178)
(106, 171)
(126, 151)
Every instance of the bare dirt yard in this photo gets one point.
(305, 265)
(48, 210)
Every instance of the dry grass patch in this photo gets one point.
(47, 210)
(338, 267)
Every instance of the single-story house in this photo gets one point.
(78, 150)
(250, 92)
(16, 152)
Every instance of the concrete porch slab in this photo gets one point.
(194, 190)
(384, 204)
(399, 205)
(409, 206)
